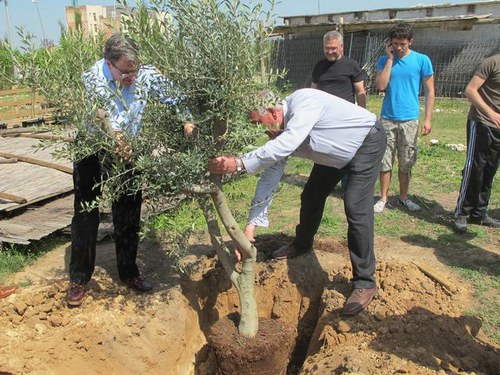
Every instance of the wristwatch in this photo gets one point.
(239, 165)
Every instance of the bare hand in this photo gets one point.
(122, 148)
(189, 129)
(495, 118)
(426, 127)
(250, 235)
(222, 165)
(389, 49)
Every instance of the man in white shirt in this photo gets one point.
(333, 133)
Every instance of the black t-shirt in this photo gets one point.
(338, 77)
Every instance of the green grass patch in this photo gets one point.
(14, 258)
(486, 291)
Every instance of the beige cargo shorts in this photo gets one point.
(401, 139)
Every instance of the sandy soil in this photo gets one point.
(415, 326)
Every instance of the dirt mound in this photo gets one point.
(114, 331)
(415, 326)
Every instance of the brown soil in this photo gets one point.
(415, 326)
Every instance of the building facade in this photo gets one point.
(96, 19)
(456, 38)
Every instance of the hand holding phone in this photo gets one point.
(389, 49)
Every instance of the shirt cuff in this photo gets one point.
(251, 165)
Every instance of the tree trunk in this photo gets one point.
(243, 280)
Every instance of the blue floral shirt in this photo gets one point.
(126, 104)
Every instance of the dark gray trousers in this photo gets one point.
(362, 172)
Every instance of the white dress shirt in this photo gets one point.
(317, 126)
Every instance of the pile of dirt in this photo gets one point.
(415, 326)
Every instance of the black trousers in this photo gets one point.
(126, 211)
(362, 172)
(481, 165)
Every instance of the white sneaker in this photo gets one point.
(379, 206)
(410, 205)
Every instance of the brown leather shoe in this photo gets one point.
(6, 291)
(75, 294)
(139, 284)
(358, 300)
(287, 251)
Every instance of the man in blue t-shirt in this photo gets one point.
(401, 73)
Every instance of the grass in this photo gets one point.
(435, 182)
(484, 291)
(14, 258)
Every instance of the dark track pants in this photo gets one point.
(126, 220)
(362, 172)
(481, 164)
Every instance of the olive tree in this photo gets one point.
(212, 52)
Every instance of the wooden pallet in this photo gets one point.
(24, 107)
(34, 176)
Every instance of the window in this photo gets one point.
(307, 19)
(392, 14)
(471, 9)
(428, 12)
(358, 16)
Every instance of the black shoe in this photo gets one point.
(287, 252)
(461, 224)
(487, 221)
(139, 284)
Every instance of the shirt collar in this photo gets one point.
(284, 108)
(105, 70)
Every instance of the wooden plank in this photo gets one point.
(14, 91)
(12, 197)
(8, 161)
(434, 275)
(50, 137)
(31, 129)
(21, 114)
(38, 222)
(39, 162)
(30, 147)
(31, 181)
(18, 102)
(38, 199)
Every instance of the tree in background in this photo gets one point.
(6, 66)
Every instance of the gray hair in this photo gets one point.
(268, 99)
(118, 46)
(333, 35)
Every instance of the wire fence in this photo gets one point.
(454, 62)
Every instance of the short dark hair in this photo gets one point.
(118, 46)
(401, 31)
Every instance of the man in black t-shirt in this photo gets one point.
(337, 74)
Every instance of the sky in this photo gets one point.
(42, 17)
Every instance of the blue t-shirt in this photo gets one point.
(401, 101)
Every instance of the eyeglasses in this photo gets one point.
(124, 75)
